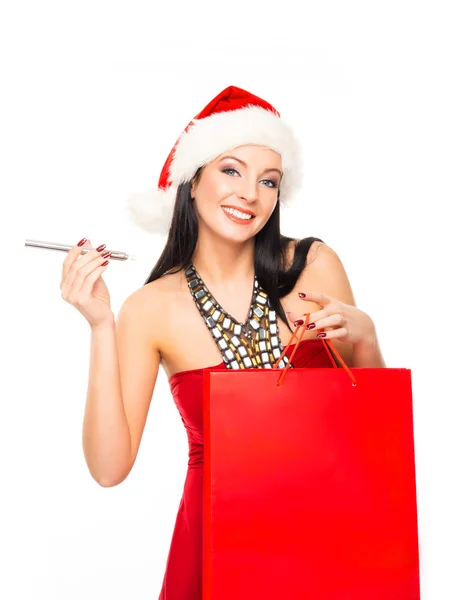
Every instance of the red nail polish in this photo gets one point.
(320, 335)
(302, 295)
(298, 323)
(82, 242)
(311, 326)
(100, 248)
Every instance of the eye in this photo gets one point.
(274, 183)
(229, 169)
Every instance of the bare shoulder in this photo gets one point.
(316, 275)
(313, 252)
(325, 272)
(148, 306)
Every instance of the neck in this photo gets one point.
(220, 261)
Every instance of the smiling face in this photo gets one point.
(237, 192)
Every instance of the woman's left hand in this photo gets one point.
(352, 325)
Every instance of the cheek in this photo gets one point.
(215, 188)
(270, 208)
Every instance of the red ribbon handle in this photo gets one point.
(327, 344)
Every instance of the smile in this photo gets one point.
(237, 215)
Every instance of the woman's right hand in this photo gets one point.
(82, 284)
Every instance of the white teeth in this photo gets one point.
(237, 213)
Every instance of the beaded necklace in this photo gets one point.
(254, 344)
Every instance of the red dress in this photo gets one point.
(183, 575)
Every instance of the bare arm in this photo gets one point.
(123, 370)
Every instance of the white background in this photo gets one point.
(94, 96)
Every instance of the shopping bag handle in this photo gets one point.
(327, 344)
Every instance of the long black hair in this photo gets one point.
(275, 276)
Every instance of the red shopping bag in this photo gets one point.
(309, 485)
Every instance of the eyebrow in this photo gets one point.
(244, 164)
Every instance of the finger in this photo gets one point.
(335, 333)
(70, 266)
(84, 279)
(330, 321)
(90, 274)
(91, 255)
(315, 317)
(297, 319)
(71, 257)
(75, 270)
(316, 297)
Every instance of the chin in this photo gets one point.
(236, 236)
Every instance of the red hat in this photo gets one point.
(233, 118)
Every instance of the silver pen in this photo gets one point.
(115, 254)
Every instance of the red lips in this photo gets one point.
(243, 210)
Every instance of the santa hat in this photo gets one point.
(233, 118)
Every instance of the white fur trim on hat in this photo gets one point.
(152, 210)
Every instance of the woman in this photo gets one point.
(224, 293)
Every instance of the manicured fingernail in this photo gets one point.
(82, 242)
(302, 295)
(298, 322)
(320, 335)
(100, 248)
(311, 326)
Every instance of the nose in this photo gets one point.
(249, 190)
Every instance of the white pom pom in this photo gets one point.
(152, 210)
